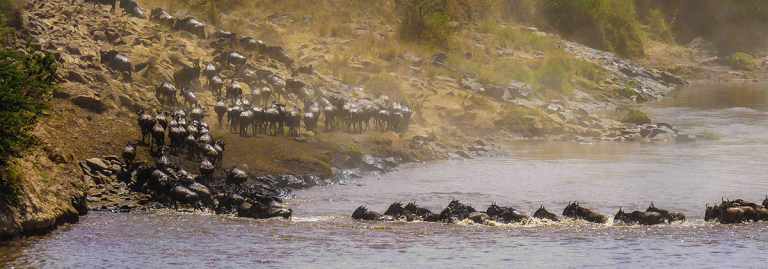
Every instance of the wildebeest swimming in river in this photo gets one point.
(651, 216)
(542, 213)
(736, 211)
(505, 214)
(410, 212)
(576, 211)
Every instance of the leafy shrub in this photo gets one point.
(527, 122)
(606, 24)
(558, 71)
(635, 116)
(10, 185)
(741, 60)
(658, 26)
(27, 81)
(425, 21)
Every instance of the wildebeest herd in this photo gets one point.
(191, 144)
(727, 212)
(257, 110)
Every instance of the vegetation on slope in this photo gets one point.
(27, 81)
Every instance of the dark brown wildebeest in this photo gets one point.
(576, 211)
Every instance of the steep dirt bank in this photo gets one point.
(458, 112)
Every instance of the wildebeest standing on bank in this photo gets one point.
(131, 7)
(188, 76)
(113, 3)
(191, 25)
(146, 122)
(162, 17)
(117, 62)
(166, 94)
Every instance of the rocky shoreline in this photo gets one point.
(92, 118)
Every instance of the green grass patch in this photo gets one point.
(742, 60)
(635, 116)
(10, 185)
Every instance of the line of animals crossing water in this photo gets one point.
(259, 111)
(727, 212)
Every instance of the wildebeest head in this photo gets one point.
(395, 209)
(622, 217)
(712, 212)
(571, 210)
(542, 213)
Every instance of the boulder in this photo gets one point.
(97, 164)
(90, 102)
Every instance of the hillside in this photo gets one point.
(491, 83)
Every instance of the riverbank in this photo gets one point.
(459, 113)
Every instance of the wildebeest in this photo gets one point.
(735, 211)
(265, 207)
(362, 213)
(505, 214)
(191, 25)
(542, 213)
(229, 37)
(409, 212)
(166, 94)
(231, 59)
(129, 153)
(638, 217)
(456, 211)
(146, 122)
(117, 62)
(190, 98)
(132, 8)
(236, 176)
(188, 76)
(576, 211)
(220, 108)
(250, 44)
(668, 216)
(215, 84)
(234, 91)
(158, 137)
(278, 53)
(113, 3)
(162, 17)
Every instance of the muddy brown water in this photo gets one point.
(603, 176)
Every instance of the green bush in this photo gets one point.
(658, 26)
(10, 185)
(606, 24)
(558, 71)
(743, 61)
(425, 21)
(27, 81)
(635, 116)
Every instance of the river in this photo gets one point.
(603, 176)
